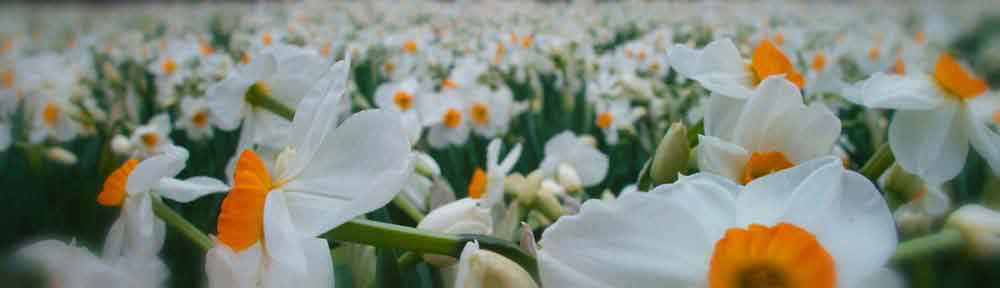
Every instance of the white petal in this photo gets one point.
(930, 144)
(985, 141)
(280, 238)
(315, 115)
(190, 189)
(225, 100)
(720, 69)
(228, 269)
(805, 133)
(161, 123)
(722, 158)
(909, 92)
(881, 278)
(771, 103)
(359, 167)
(464, 263)
(459, 217)
(684, 59)
(722, 115)
(149, 172)
(626, 243)
(260, 67)
(319, 263)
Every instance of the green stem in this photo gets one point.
(879, 162)
(388, 235)
(408, 260)
(260, 98)
(178, 222)
(945, 240)
(408, 208)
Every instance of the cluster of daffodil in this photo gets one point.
(646, 144)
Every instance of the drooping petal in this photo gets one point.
(149, 172)
(190, 189)
(359, 166)
(225, 100)
(930, 144)
(906, 92)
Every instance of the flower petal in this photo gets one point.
(188, 190)
(722, 158)
(907, 92)
(280, 238)
(149, 172)
(930, 144)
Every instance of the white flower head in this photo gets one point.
(565, 149)
(719, 67)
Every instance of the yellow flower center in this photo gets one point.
(498, 55)
(899, 68)
(779, 38)
(996, 117)
(7, 45)
(448, 84)
(8, 79)
(955, 81)
(241, 218)
(150, 139)
(266, 39)
(389, 67)
(480, 113)
(50, 114)
(873, 53)
(113, 193)
(784, 255)
(452, 118)
(326, 49)
(767, 60)
(245, 58)
(200, 119)
(477, 185)
(410, 46)
(764, 163)
(604, 120)
(819, 61)
(403, 100)
(526, 41)
(920, 37)
(261, 88)
(168, 65)
(205, 48)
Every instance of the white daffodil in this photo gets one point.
(53, 119)
(328, 175)
(770, 131)
(152, 138)
(70, 266)
(614, 115)
(404, 97)
(195, 119)
(479, 268)
(574, 162)
(824, 75)
(709, 232)
(719, 67)
(447, 122)
(937, 117)
(169, 69)
(490, 111)
(472, 215)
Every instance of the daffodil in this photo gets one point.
(327, 176)
(573, 161)
(719, 67)
(67, 265)
(195, 119)
(770, 131)
(447, 122)
(794, 228)
(615, 115)
(53, 119)
(404, 97)
(937, 117)
(483, 268)
(824, 74)
(490, 111)
(152, 138)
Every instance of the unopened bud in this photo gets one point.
(61, 156)
(460, 217)
(120, 145)
(484, 268)
(527, 190)
(547, 201)
(425, 165)
(980, 227)
(568, 178)
(671, 156)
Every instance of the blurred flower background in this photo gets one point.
(548, 143)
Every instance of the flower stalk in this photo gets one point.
(879, 162)
(178, 222)
(260, 97)
(944, 240)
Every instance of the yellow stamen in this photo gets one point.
(526, 41)
(768, 60)
(266, 39)
(245, 58)
(327, 49)
(168, 65)
(762, 164)
(920, 37)
(899, 67)
(113, 193)
(784, 255)
(452, 118)
(150, 139)
(8, 79)
(604, 120)
(956, 81)
(403, 100)
(50, 114)
(477, 186)
(498, 55)
(873, 53)
(410, 46)
(389, 67)
(200, 119)
(480, 113)
(448, 84)
(241, 218)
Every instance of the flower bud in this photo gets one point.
(484, 268)
(671, 156)
(527, 190)
(980, 227)
(547, 202)
(569, 179)
(121, 145)
(425, 165)
(460, 217)
(61, 156)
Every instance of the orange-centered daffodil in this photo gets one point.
(113, 193)
(448, 84)
(768, 60)
(955, 81)
(50, 114)
(410, 46)
(762, 164)
(200, 119)
(8, 79)
(266, 39)
(168, 65)
(784, 255)
(899, 68)
(479, 113)
(403, 100)
(604, 120)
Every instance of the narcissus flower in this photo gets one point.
(489, 111)
(770, 131)
(448, 123)
(67, 265)
(795, 228)
(567, 156)
(404, 97)
(152, 138)
(615, 115)
(937, 117)
(483, 268)
(327, 176)
(719, 67)
(195, 119)
(53, 120)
